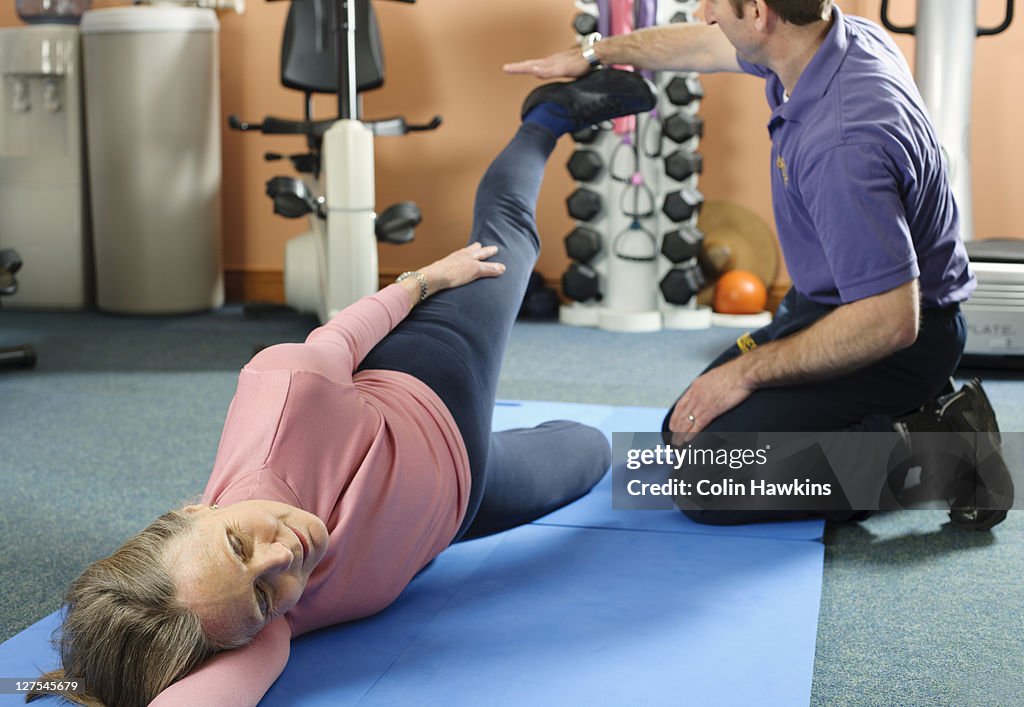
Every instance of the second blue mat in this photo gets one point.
(595, 510)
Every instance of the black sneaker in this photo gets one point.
(600, 95)
(970, 411)
(980, 488)
(980, 500)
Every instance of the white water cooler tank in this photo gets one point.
(42, 171)
(153, 124)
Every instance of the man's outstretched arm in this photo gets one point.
(676, 47)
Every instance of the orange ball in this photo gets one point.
(740, 292)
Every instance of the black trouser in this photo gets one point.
(866, 400)
(455, 342)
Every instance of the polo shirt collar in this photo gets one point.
(816, 77)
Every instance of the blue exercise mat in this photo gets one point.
(595, 510)
(380, 639)
(563, 616)
(557, 615)
(573, 609)
(28, 655)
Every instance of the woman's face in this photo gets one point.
(246, 564)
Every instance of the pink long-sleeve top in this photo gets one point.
(376, 455)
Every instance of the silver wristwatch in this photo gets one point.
(420, 278)
(587, 45)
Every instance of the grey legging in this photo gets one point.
(455, 342)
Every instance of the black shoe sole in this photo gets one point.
(976, 416)
(553, 92)
(974, 519)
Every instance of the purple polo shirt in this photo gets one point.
(862, 202)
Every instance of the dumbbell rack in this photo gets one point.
(634, 247)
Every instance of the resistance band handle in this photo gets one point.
(981, 31)
(1007, 19)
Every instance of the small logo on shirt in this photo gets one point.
(746, 343)
(781, 164)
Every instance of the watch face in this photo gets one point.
(589, 54)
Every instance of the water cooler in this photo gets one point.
(42, 166)
(153, 124)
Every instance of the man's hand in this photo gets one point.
(846, 339)
(709, 396)
(567, 64)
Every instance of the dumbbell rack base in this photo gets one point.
(741, 321)
(576, 314)
(629, 322)
(686, 317)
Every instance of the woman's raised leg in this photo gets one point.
(455, 341)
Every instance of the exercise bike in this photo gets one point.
(334, 263)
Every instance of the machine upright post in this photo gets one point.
(346, 52)
(350, 249)
(944, 67)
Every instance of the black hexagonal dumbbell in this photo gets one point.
(682, 164)
(584, 23)
(681, 16)
(682, 244)
(585, 136)
(582, 244)
(580, 283)
(680, 127)
(684, 90)
(682, 283)
(584, 204)
(683, 204)
(584, 165)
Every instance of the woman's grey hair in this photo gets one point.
(125, 635)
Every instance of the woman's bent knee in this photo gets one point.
(586, 445)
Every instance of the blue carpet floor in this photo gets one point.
(121, 418)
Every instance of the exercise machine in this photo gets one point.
(334, 263)
(946, 31)
(23, 356)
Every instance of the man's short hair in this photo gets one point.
(797, 12)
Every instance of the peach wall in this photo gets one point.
(997, 142)
(444, 56)
(441, 57)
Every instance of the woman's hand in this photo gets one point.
(567, 64)
(461, 268)
(455, 270)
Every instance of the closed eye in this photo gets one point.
(241, 549)
(238, 546)
(263, 602)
